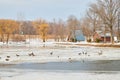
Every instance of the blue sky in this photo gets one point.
(46, 9)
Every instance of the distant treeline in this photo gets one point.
(103, 15)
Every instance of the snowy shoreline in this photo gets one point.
(115, 45)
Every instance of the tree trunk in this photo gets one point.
(8, 35)
(111, 32)
(105, 34)
(3, 38)
(43, 37)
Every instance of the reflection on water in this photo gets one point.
(102, 65)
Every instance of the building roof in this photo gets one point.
(79, 35)
(107, 34)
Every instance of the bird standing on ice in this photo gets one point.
(51, 53)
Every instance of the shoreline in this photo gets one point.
(115, 45)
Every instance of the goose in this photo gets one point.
(17, 55)
(8, 56)
(100, 53)
(51, 53)
(7, 59)
(29, 54)
(32, 54)
(79, 53)
(82, 52)
(88, 55)
(85, 53)
(69, 58)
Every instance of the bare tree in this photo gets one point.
(86, 28)
(55, 30)
(61, 29)
(118, 22)
(58, 30)
(107, 11)
(72, 25)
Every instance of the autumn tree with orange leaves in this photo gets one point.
(41, 28)
(7, 27)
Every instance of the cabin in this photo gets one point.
(102, 37)
(106, 37)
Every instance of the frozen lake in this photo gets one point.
(100, 70)
(67, 62)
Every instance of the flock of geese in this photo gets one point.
(51, 53)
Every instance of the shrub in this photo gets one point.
(89, 40)
(97, 40)
(73, 40)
